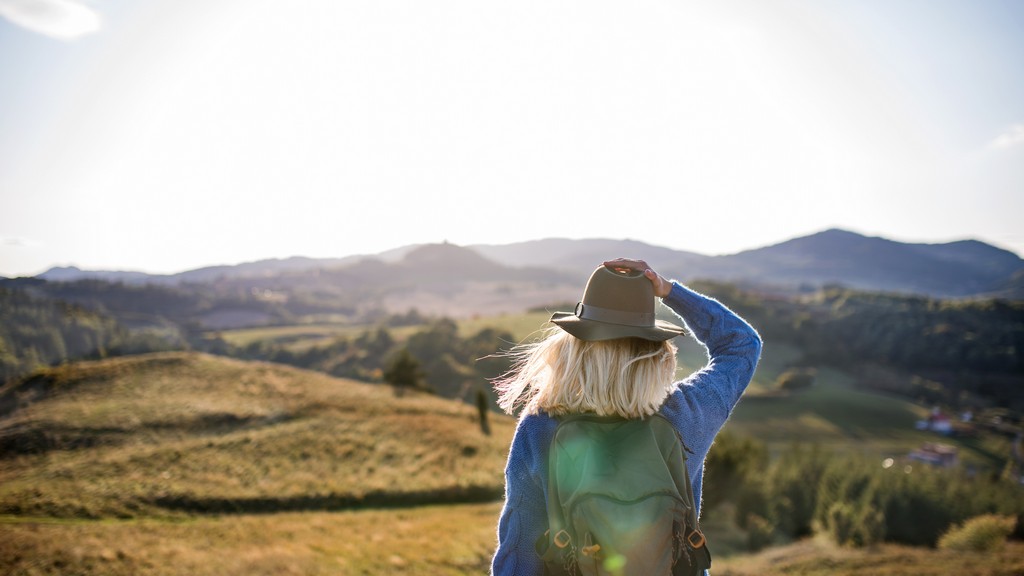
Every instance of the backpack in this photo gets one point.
(619, 500)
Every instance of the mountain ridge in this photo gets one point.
(962, 268)
(835, 256)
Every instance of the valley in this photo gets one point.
(242, 421)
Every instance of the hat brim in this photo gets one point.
(593, 330)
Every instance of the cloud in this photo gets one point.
(1012, 136)
(62, 19)
(15, 242)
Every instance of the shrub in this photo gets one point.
(403, 371)
(752, 501)
(796, 379)
(732, 462)
(849, 498)
(793, 485)
(918, 507)
(985, 533)
(759, 533)
(847, 509)
(854, 524)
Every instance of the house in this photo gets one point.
(937, 422)
(935, 453)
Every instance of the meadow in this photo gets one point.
(187, 432)
(454, 540)
(307, 335)
(188, 463)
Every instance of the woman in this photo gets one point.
(611, 357)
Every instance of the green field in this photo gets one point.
(836, 416)
(833, 414)
(301, 337)
(301, 333)
(186, 463)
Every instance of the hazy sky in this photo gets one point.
(164, 135)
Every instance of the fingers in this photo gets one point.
(626, 264)
(661, 286)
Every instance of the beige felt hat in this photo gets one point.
(616, 304)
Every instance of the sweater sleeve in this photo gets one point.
(702, 403)
(524, 516)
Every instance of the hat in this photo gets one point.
(616, 304)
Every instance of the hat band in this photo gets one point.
(609, 316)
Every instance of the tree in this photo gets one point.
(483, 407)
(403, 372)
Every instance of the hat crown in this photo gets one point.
(629, 292)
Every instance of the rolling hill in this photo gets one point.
(183, 432)
(966, 268)
(436, 279)
(176, 463)
(955, 269)
(162, 434)
(582, 256)
(952, 270)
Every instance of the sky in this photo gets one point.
(167, 135)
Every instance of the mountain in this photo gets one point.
(259, 268)
(955, 269)
(583, 256)
(966, 268)
(269, 267)
(435, 279)
(432, 264)
(1013, 287)
(73, 273)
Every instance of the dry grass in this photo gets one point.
(427, 541)
(144, 435)
(819, 558)
(106, 466)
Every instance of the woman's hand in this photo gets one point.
(661, 286)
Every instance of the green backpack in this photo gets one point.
(620, 501)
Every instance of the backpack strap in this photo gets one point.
(696, 558)
(557, 546)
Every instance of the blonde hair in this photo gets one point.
(561, 374)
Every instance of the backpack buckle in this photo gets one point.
(696, 539)
(562, 539)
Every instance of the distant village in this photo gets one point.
(946, 455)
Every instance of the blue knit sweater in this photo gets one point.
(698, 408)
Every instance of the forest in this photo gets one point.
(37, 332)
(955, 353)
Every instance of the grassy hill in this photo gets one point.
(423, 541)
(840, 412)
(185, 463)
(159, 434)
